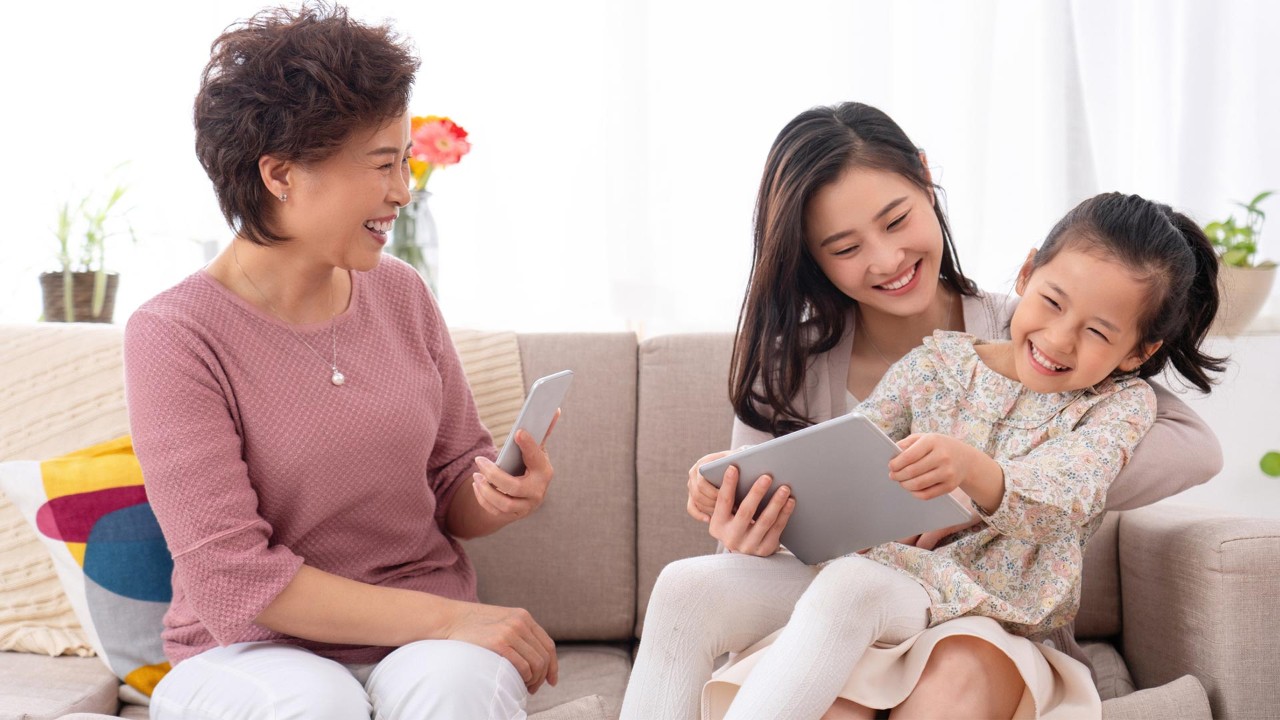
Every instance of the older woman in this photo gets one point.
(309, 442)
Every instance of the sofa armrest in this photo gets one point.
(1200, 594)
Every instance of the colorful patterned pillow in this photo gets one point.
(91, 512)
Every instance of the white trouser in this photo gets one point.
(269, 681)
(706, 606)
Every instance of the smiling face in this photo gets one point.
(1077, 322)
(874, 234)
(344, 206)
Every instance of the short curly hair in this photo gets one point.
(295, 84)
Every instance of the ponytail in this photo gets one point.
(1182, 348)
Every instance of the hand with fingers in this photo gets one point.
(511, 633)
(702, 494)
(512, 497)
(931, 465)
(737, 530)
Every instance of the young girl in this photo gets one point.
(1033, 430)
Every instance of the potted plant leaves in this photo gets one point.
(83, 290)
(1245, 284)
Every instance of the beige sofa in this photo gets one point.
(1180, 604)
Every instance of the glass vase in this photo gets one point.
(414, 239)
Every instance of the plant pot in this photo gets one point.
(55, 306)
(1242, 293)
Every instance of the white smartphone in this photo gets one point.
(535, 417)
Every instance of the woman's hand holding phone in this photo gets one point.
(510, 496)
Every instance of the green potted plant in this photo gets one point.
(83, 290)
(1245, 284)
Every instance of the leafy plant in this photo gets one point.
(1270, 463)
(82, 235)
(1237, 243)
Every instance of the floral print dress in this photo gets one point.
(1022, 565)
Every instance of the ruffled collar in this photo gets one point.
(991, 395)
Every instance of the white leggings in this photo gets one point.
(269, 681)
(704, 607)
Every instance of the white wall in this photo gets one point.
(1245, 412)
(618, 145)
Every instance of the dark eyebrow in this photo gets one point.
(1101, 320)
(883, 211)
(388, 150)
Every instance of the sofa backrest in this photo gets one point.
(684, 413)
(572, 564)
(584, 565)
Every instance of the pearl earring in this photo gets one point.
(284, 196)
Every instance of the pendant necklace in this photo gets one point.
(337, 378)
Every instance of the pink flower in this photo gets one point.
(439, 141)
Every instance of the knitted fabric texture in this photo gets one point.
(254, 462)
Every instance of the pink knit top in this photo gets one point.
(255, 463)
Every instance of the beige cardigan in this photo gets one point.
(1180, 451)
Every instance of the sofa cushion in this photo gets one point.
(1099, 615)
(684, 413)
(1109, 671)
(1183, 698)
(92, 515)
(38, 687)
(572, 564)
(586, 670)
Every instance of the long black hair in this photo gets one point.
(791, 311)
(1168, 251)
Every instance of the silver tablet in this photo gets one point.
(838, 472)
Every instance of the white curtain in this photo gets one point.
(618, 145)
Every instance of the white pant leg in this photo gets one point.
(701, 608)
(446, 679)
(851, 604)
(259, 681)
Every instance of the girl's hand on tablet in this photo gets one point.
(702, 494)
(736, 530)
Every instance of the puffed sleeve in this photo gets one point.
(1179, 451)
(1062, 484)
(198, 485)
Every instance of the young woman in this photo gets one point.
(850, 234)
(310, 445)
